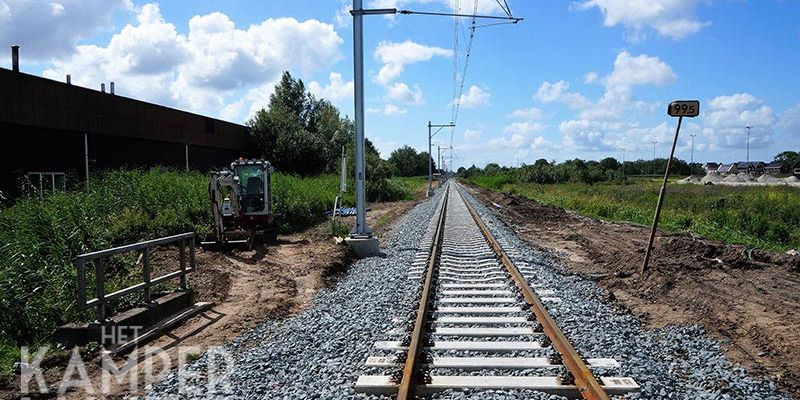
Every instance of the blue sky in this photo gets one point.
(581, 78)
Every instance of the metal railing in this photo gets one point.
(97, 258)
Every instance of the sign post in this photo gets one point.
(680, 109)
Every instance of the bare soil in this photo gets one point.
(749, 300)
(275, 280)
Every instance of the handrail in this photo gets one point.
(97, 258)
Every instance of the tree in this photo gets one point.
(788, 157)
(609, 163)
(407, 162)
(492, 169)
(299, 133)
(404, 160)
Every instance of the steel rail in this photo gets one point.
(408, 381)
(588, 386)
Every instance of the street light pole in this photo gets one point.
(748, 142)
(692, 162)
(623, 162)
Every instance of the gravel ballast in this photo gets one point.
(320, 352)
(678, 362)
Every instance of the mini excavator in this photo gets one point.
(241, 204)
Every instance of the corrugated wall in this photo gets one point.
(42, 126)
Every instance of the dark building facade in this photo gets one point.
(47, 126)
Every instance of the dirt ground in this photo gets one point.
(751, 303)
(273, 281)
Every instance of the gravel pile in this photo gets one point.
(321, 352)
(678, 362)
(711, 177)
(734, 179)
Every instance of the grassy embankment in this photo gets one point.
(39, 239)
(765, 217)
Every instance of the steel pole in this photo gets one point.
(748, 143)
(429, 160)
(361, 228)
(86, 157)
(439, 158)
(660, 200)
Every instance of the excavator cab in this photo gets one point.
(241, 203)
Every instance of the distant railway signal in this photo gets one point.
(680, 109)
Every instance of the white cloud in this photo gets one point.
(524, 128)
(518, 132)
(391, 109)
(559, 92)
(385, 147)
(388, 110)
(402, 93)
(632, 70)
(336, 89)
(472, 135)
(725, 118)
(582, 134)
(532, 113)
(474, 97)
(343, 19)
(602, 124)
(395, 56)
(201, 70)
(790, 121)
(46, 29)
(540, 143)
(675, 19)
(57, 9)
(514, 141)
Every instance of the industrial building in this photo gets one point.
(54, 132)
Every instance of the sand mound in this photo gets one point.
(768, 179)
(746, 177)
(734, 179)
(711, 177)
(792, 179)
(690, 179)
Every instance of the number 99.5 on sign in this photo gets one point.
(684, 108)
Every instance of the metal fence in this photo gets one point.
(98, 258)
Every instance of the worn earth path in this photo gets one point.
(750, 303)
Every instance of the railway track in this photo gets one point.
(481, 322)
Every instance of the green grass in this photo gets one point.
(766, 217)
(40, 238)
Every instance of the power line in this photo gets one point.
(457, 99)
(504, 6)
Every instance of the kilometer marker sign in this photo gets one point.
(684, 108)
(680, 109)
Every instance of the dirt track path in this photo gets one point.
(751, 305)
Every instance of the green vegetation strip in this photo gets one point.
(40, 238)
(765, 217)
